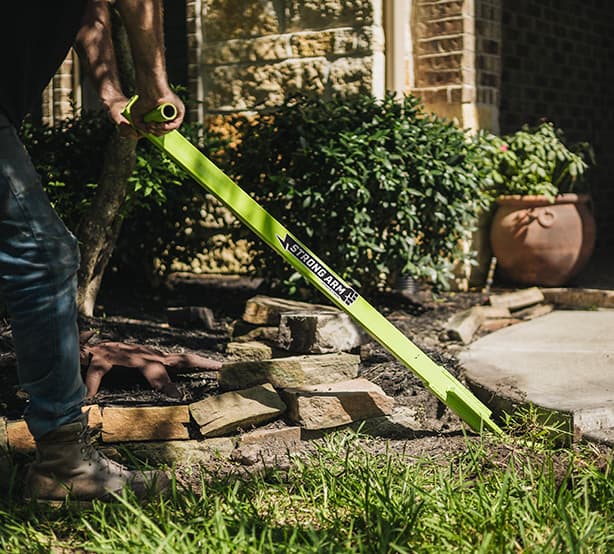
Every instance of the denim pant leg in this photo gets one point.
(39, 259)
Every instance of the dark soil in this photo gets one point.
(140, 319)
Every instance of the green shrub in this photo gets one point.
(533, 161)
(69, 157)
(376, 188)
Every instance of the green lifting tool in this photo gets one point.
(436, 378)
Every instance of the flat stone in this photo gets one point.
(291, 371)
(266, 310)
(538, 310)
(402, 423)
(248, 351)
(19, 437)
(319, 333)
(492, 325)
(228, 412)
(333, 404)
(580, 297)
(184, 452)
(517, 299)
(94, 415)
(463, 325)
(145, 423)
(266, 444)
(493, 312)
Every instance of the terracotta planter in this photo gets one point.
(538, 242)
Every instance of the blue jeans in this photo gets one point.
(39, 259)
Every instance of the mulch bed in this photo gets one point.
(142, 321)
(423, 323)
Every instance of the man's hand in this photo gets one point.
(115, 107)
(146, 104)
(143, 21)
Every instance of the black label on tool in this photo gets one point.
(342, 291)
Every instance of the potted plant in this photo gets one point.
(543, 228)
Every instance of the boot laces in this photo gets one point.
(95, 456)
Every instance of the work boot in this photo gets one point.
(67, 466)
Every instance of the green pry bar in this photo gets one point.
(436, 378)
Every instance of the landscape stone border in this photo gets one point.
(166, 433)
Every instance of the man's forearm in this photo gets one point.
(143, 20)
(94, 44)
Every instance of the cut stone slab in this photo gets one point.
(333, 404)
(319, 333)
(249, 351)
(19, 437)
(292, 371)
(145, 423)
(562, 362)
(532, 312)
(266, 444)
(492, 325)
(517, 299)
(228, 412)
(184, 452)
(402, 423)
(463, 325)
(265, 310)
(493, 312)
(580, 298)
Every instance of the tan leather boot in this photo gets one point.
(68, 467)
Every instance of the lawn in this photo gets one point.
(521, 493)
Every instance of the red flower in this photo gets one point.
(504, 148)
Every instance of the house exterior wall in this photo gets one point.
(62, 92)
(254, 53)
(494, 64)
(456, 46)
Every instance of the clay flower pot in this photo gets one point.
(540, 242)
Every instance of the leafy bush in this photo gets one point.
(69, 157)
(533, 161)
(376, 188)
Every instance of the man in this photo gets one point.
(38, 255)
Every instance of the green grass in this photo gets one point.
(499, 495)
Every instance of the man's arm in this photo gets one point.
(95, 46)
(144, 24)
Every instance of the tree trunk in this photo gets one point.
(99, 228)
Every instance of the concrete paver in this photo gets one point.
(562, 362)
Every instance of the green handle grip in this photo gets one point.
(163, 113)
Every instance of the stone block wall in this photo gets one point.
(254, 53)
(557, 64)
